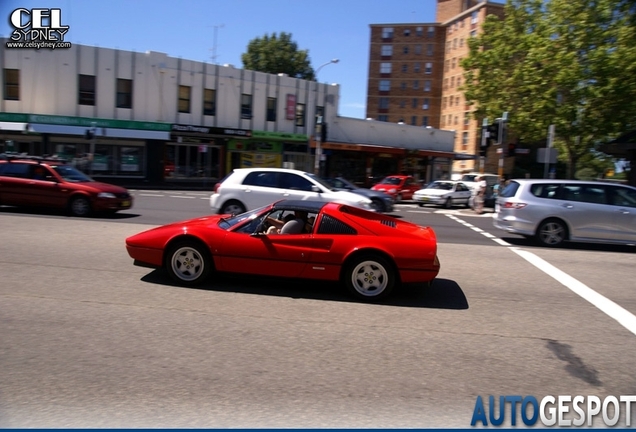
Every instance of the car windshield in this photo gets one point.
(319, 180)
(469, 177)
(440, 185)
(227, 223)
(71, 174)
(390, 180)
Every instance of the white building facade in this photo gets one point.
(148, 117)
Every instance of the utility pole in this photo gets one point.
(483, 145)
(500, 140)
(216, 29)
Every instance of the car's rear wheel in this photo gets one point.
(552, 233)
(369, 277)
(232, 207)
(80, 206)
(448, 203)
(398, 198)
(188, 262)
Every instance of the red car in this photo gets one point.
(400, 187)
(35, 181)
(368, 252)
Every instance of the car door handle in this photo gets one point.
(567, 206)
(623, 211)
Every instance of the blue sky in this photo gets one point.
(328, 29)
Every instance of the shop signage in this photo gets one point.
(207, 130)
(84, 122)
(291, 107)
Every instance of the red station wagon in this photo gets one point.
(400, 187)
(33, 181)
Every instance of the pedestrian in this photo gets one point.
(480, 195)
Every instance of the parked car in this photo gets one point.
(33, 181)
(370, 253)
(400, 187)
(555, 211)
(446, 193)
(380, 201)
(249, 188)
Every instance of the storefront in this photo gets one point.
(197, 152)
(102, 148)
(269, 149)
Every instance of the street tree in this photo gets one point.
(571, 64)
(276, 54)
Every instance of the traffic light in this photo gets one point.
(89, 134)
(323, 132)
(493, 131)
(512, 147)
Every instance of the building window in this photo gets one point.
(466, 118)
(407, 32)
(452, 82)
(209, 102)
(405, 68)
(184, 99)
(416, 84)
(416, 67)
(271, 109)
(300, 114)
(431, 31)
(418, 49)
(387, 32)
(461, 42)
(385, 68)
(453, 62)
(427, 85)
(414, 103)
(419, 31)
(425, 104)
(428, 68)
(246, 106)
(444, 102)
(424, 120)
(403, 86)
(11, 84)
(413, 121)
(474, 17)
(405, 50)
(429, 49)
(473, 33)
(383, 103)
(124, 93)
(87, 89)
(402, 103)
(385, 85)
(465, 139)
(383, 117)
(387, 50)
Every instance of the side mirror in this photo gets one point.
(315, 188)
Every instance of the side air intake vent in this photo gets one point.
(389, 223)
(329, 225)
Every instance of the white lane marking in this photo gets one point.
(624, 317)
(607, 306)
(151, 195)
(180, 196)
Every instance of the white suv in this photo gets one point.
(249, 188)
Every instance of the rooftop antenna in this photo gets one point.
(214, 45)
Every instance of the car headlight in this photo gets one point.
(364, 204)
(392, 190)
(106, 195)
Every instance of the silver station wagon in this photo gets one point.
(555, 211)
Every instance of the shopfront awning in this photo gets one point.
(101, 132)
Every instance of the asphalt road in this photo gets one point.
(89, 340)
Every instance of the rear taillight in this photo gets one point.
(216, 187)
(513, 205)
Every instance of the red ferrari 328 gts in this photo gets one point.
(368, 252)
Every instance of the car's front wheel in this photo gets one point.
(552, 233)
(448, 203)
(369, 277)
(232, 207)
(80, 206)
(188, 262)
(377, 205)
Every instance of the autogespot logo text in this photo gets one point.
(561, 410)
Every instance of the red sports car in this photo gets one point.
(368, 252)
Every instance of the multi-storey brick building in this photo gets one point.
(415, 76)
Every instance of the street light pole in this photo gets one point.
(318, 131)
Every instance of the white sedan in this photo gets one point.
(446, 193)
